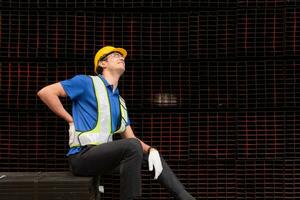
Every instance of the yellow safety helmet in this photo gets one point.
(105, 51)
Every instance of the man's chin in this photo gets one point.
(123, 67)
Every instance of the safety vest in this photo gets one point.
(102, 132)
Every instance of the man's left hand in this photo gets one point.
(154, 161)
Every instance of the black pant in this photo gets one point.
(128, 155)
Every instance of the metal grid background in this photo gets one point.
(231, 65)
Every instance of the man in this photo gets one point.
(98, 112)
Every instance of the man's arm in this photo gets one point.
(128, 133)
(50, 96)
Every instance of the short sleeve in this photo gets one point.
(76, 86)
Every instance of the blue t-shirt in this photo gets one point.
(80, 90)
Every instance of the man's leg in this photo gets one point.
(102, 159)
(169, 180)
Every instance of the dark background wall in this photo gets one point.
(214, 85)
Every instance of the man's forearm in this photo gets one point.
(54, 104)
(146, 147)
(129, 134)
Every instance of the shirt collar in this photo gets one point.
(108, 85)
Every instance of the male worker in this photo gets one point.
(98, 112)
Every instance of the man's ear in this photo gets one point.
(102, 64)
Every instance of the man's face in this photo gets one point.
(115, 62)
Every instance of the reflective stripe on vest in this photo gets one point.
(102, 131)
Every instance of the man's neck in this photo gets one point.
(112, 79)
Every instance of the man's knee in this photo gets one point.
(133, 145)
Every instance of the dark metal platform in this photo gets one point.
(45, 186)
